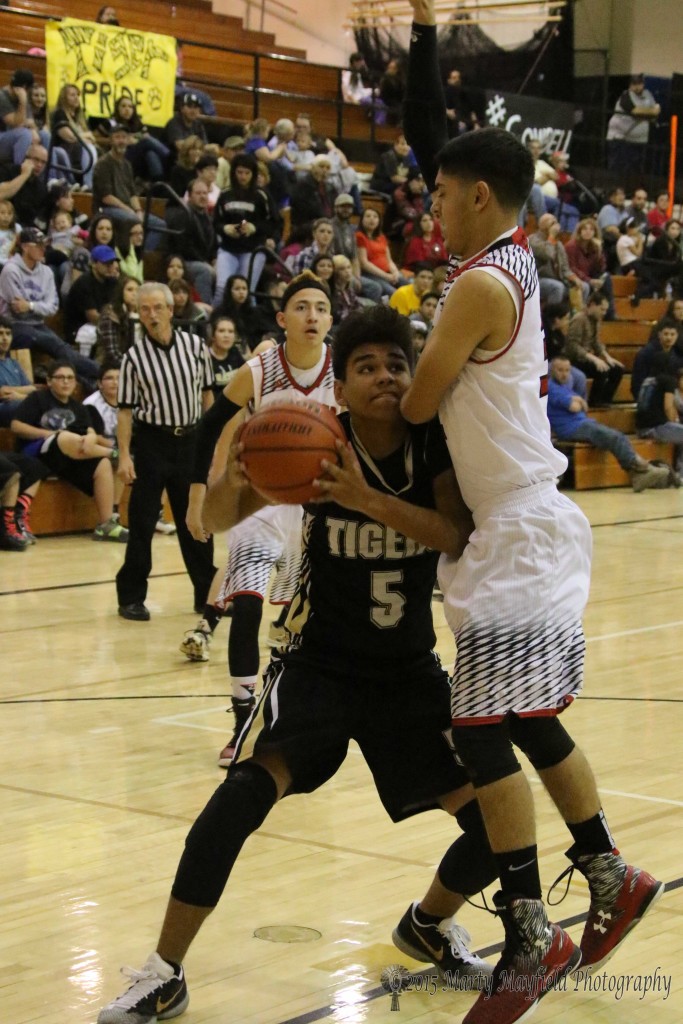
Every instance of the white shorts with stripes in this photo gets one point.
(270, 539)
(515, 601)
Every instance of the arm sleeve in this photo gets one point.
(209, 430)
(424, 108)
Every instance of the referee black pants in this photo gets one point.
(161, 461)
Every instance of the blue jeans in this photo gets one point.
(14, 144)
(156, 227)
(148, 157)
(229, 263)
(202, 277)
(672, 433)
(37, 335)
(609, 440)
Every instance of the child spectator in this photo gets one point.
(185, 311)
(425, 314)
(130, 238)
(14, 384)
(8, 231)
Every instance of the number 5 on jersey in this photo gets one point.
(389, 601)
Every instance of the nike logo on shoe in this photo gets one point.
(161, 1005)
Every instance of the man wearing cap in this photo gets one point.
(233, 145)
(114, 187)
(344, 244)
(17, 130)
(91, 291)
(629, 127)
(185, 122)
(28, 295)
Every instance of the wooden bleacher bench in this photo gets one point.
(594, 469)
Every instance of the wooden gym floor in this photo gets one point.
(109, 743)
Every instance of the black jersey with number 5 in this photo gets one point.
(364, 595)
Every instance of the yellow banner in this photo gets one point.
(105, 62)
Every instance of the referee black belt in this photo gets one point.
(163, 429)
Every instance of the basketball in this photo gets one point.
(284, 444)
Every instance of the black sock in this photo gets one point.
(280, 620)
(593, 835)
(211, 615)
(115, 508)
(422, 918)
(468, 864)
(518, 871)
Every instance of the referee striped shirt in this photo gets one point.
(163, 384)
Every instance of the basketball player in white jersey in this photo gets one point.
(271, 539)
(516, 597)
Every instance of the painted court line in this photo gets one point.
(181, 720)
(633, 632)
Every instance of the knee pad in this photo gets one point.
(486, 752)
(237, 808)
(243, 647)
(544, 739)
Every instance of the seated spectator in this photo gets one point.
(674, 311)
(185, 311)
(20, 478)
(119, 323)
(17, 133)
(406, 207)
(343, 177)
(425, 313)
(323, 268)
(374, 254)
(226, 357)
(101, 232)
(26, 187)
(659, 214)
(354, 89)
(556, 319)
(91, 292)
(301, 155)
(147, 155)
(314, 195)
(256, 144)
(275, 225)
(114, 188)
(233, 145)
(61, 198)
(63, 236)
(27, 296)
(586, 351)
(420, 331)
(185, 122)
(195, 238)
(425, 244)
(207, 171)
(657, 416)
(664, 259)
(8, 231)
(345, 297)
(587, 261)
(241, 222)
(610, 218)
(72, 135)
(107, 16)
(569, 422)
(545, 176)
(105, 400)
(630, 247)
(393, 167)
(303, 122)
(392, 90)
(637, 208)
(555, 276)
(14, 384)
(283, 140)
(323, 239)
(568, 212)
(38, 113)
(406, 299)
(344, 244)
(184, 170)
(664, 349)
(174, 270)
(235, 304)
(67, 438)
(130, 242)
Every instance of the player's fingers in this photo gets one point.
(331, 468)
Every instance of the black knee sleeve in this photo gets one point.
(237, 808)
(243, 648)
(468, 865)
(486, 752)
(544, 739)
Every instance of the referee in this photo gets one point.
(165, 385)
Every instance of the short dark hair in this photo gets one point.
(57, 364)
(667, 323)
(495, 156)
(420, 266)
(107, 365)
(208, 160)
(5, 322)
(596, 298)
(379, 325)
(556, 311)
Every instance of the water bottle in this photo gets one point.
(668, 291)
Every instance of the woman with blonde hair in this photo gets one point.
(587, 260)
(70, 133)
(190, 152)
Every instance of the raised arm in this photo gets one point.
(424, 107)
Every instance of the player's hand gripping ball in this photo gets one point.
(283, 445)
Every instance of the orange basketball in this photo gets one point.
(284, 444)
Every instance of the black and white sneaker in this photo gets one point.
(158, 992)
(446, 946)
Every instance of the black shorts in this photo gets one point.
(79, 472)
(308, 713)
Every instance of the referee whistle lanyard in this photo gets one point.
(372, 465)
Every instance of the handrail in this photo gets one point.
(165, 230)
(77, 172)
(269, 254)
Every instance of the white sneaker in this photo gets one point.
(162, 526)
(157, 993)
(196, 642)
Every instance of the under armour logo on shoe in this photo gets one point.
(599, 926)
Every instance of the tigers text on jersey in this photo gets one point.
(494, 414)
(365, 591)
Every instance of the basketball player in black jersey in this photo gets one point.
(360, 646)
